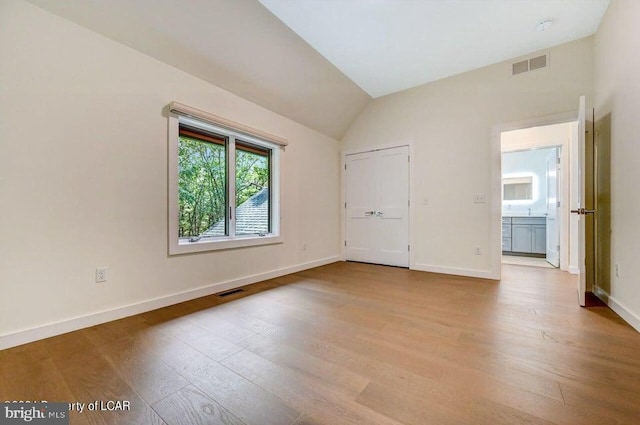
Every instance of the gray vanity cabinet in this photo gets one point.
(539, 242)
(529, 235)
(506, 234)
(521, 238)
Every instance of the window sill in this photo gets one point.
(185, 247)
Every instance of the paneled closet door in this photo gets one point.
(377, 206)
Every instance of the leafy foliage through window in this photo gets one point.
(252, 190)
(204, 186)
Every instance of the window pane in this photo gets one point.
(202, 184)
(253, 207)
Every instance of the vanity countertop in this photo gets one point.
(512, 215)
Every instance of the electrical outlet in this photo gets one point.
(478, 251)
(101, 274)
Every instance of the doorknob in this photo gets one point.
(583, 211)
(376, 213)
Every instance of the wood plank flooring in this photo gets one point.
(350, 343)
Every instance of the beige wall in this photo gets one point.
(617, 95)
(83, 178)
(456, 152)
(249, 52)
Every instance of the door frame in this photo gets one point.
(343, 193)
(496, 176)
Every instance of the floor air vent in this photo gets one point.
(527, 65)
(229, 292)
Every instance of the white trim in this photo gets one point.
(483, 274)
(52, 329)
(624, 312)
(496, 177)
(412, 204)
(573, 270)
(544, 120)
(601, 294)
(205, 245)
(231, 188)
(366, 149)
(190, 111)
(176, 246)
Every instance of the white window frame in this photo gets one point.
(183, 246)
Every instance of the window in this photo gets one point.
(223, 188)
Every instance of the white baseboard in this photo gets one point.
(601, 294)
(73, 324)
(574, 270)
(622, 311)
(483, 274)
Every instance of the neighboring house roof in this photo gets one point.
(252, 217)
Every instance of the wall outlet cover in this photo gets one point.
(101, 274)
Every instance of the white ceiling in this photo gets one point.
(386, 46)
(322, 68)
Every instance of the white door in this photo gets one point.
(361, 197)
(553, 230)
(377, 206)
(580, 208)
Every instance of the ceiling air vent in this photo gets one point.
(530, 65)
(538, 62)
(520, 67)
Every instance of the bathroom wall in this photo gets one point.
(527, 163)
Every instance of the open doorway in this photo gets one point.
(536, 192)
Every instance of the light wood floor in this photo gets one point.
(526, 261)
(351, 343)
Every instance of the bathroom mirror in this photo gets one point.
(517, 188)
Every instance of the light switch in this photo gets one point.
(479, 198)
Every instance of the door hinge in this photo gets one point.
(558, 160)
(345, 243)
(408, 159)
(409, 203)
(558, 204)
(345, 167)
(408, 247)
(345, 205)
(558, 248)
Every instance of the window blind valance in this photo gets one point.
(182, 109)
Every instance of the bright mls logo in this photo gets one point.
(34, 413)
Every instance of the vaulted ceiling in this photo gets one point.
(320, 62)
(237, 45)
(390, 45)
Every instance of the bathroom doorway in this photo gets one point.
(536, 193)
